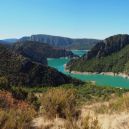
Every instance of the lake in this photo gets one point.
(101, 80)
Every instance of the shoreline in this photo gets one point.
(102, 73)
(123, 75)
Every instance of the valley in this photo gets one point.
(100, 80)
(38, 90)
(64, 64)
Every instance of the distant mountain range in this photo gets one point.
(11, 40)
(62, 42)
(2, 42)
(56, 41)
(109, 55)
(8, 41)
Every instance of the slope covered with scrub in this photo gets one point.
(111, 55)
(19, 70)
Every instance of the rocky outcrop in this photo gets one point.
(108, 46)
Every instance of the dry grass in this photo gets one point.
(16, 119)
(14, 114)
(87, 122)
(112, 114)
(117, 105)
(60, 106)
(59, 102)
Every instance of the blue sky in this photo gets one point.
(71, 18)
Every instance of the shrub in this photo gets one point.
(16, 119)
(90, 123)
(4, 84)
(60, 102)
(19, 93)
(6, 100)
(87, 122)
(32, 99)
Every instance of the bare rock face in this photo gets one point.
(62, 42)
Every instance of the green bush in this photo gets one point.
(19, 93)
(33, 100)
(4, 84)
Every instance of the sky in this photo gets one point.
(69, 18)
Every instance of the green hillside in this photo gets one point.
(114, 58)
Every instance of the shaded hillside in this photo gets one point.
(37, 51)
(62, 42)
(111, 55)
(22, 71)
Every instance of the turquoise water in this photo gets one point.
(102, 80)
(79, 52)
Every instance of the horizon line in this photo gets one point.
(19, 37)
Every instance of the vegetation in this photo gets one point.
(15, 114)
(112, 59)
(16, 119)
(64, 101)
(4, 84)
(26, 89)
(60, 102)
(118, 104)
(19, 93)
(116, 62)
(86, 123)
(38, 52)
(18, 71)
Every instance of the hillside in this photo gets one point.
(39, 51)
(3, 42)
(11, 40)
(110, 55)
(19, 70)
(62, 42)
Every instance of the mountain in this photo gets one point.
(21, 71)
(12, 40)
(3, 42)
(109, 55)
(62, 42)
(39, 51)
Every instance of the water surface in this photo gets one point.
(102, 80)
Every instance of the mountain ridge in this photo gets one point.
(62, 42)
